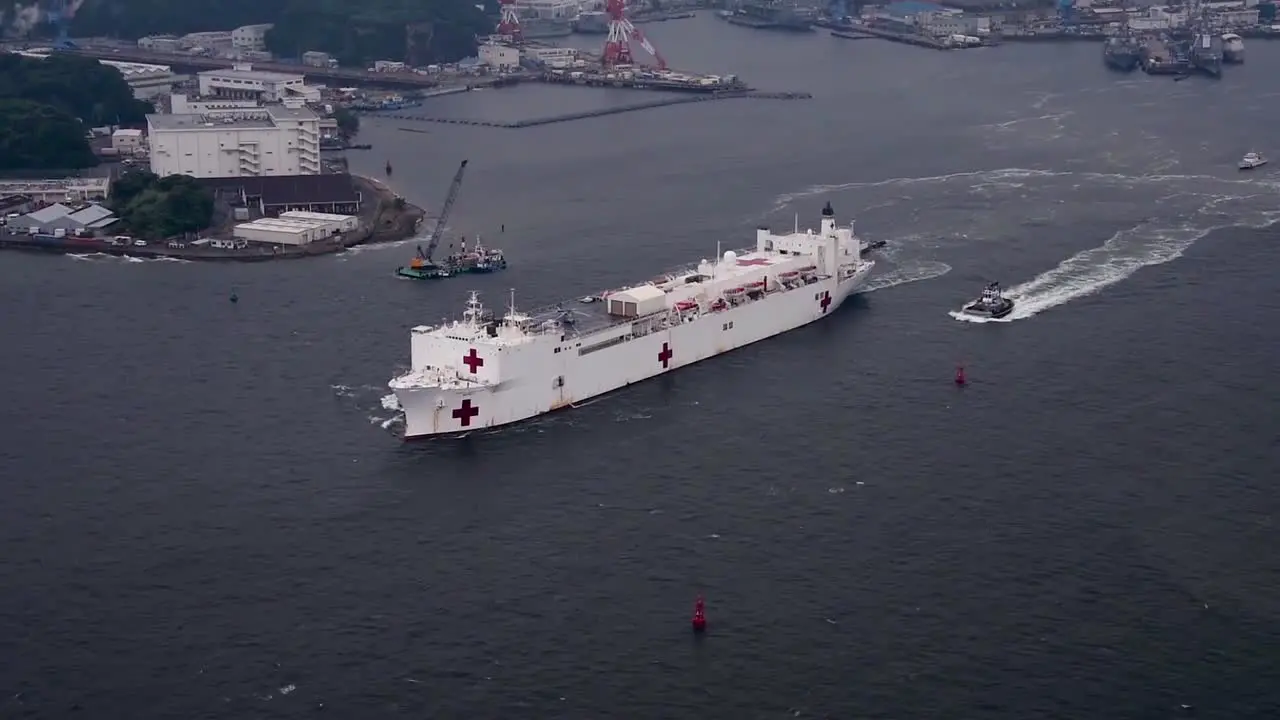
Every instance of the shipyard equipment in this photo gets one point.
(476, 260)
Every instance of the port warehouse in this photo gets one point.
(275, 194)
(92, 218)
(295, 227)
(48, 191)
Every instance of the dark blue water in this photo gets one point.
(204, 515)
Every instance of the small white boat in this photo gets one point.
(1252, 160)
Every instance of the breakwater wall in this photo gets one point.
(602, 112)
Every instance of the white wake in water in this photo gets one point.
(1162, 217)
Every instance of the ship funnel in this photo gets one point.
(827, 212)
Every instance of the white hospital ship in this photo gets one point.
(483, 372)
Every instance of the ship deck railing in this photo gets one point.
(596, 313)
(598, 321)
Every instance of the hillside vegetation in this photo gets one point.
(47, 106)
(354, 31)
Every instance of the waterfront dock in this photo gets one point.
(570, 117)
(864, 32)
(1160, 57)
(384, 218)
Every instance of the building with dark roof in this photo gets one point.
(273, 195)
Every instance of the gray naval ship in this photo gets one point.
(592, 23)
(771, 15)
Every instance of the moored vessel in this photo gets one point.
(991, 304)
(484, 372)
(1205, 53)
(1232, 49)
(1122, 53)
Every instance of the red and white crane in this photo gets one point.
(617, 47)
(509, 23)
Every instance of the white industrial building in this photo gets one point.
(343, 223)
(274, 140)
(92, 217)
(553, 56)
(184, 105)
(250, 37)
(60, 190)
(499, 57)
(244, 83)
(147, 81)
(295, 228)
(127, 140)
(209, 40)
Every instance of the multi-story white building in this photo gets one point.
(183, 105)
(250, 37)
(210, 40)
(499, 57)
(245, 83)
(274, 140)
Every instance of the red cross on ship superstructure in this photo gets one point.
(473, 361)
(465, 412)
(754, 261)
(664, 357)
(825, 302)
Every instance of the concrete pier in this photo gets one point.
(569, 117)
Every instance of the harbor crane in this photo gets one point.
(438, 231)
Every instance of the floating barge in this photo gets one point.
(1164, 57)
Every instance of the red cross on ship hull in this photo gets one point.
(664, 357)
(473, 361)
(465, 412)
(825, 302)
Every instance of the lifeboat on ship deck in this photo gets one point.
(735, 292)
(757, 286)
(686, 305)
(789, 275)
(809, 270)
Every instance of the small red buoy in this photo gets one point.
(960, 375)
(699, 615)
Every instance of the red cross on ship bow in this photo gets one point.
(465, 412)
(825, 302)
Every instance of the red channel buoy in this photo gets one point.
(699, 615)
(960, 375)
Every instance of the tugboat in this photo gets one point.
(992, 304)
(1252, 160)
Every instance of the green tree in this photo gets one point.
(35, 136)
(355, 31)
(80, 86)
(348, 122)
(156, 207)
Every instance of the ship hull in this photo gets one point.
(1123, 63)
(554, 381)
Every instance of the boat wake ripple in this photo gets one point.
(124, 259)
(1161, 216)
